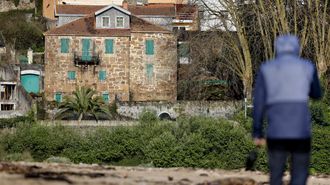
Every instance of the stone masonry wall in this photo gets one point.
(162, 86)
(58, 64)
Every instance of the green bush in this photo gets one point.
(320, 113)
(321, 149)
(190, 142)
(14, 122)
(147, 117)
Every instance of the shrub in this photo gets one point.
(25, 156)
(191, 142)
(147, 117)
(54, 159)
(321, 149)
(14, 122)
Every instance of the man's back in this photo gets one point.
(282, 90)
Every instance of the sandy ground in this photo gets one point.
(22, 173)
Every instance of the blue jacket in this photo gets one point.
(283, 87)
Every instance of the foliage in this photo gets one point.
(54, 159)
(147, 117)
(321, 149)
(320, 113)
(189, 142)
(83, 103)
(14, 122)
(21, 33)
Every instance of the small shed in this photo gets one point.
(30, 80)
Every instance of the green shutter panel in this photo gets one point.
(105, 97)
(102, 75)
(86, 55)
(150, 71)
(71, 75)
(149, 47)
(65, 45)
(58, 97)
(108, 46)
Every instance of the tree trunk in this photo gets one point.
(80, 118)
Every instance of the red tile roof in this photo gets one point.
(153, 9)
(77, 9)
(149, 9)
(86, 27)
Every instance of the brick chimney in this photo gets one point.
(125, 5)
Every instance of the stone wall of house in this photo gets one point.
(58, 64)
(7, 5)
(162, 86)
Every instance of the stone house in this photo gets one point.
(116, 53)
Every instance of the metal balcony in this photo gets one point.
(86, 58)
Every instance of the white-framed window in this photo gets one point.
(105, 22)
(119, 22)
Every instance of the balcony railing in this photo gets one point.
(86, 58)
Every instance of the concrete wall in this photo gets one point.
(169, 1)
(48, 9)
(165, 22)
(6, 5)
(66, 19)
(113, 13)
(22, 100)
(162, 86)
(221, 109)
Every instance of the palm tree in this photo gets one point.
(84, 102)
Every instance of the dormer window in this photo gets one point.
(119, 22)
(106, 22)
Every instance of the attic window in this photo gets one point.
(105, 22)
(119, 22)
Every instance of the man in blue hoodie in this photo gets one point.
(281, 94)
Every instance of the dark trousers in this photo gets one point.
(299, 152)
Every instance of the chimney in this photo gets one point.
(125, 4)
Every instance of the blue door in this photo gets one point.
(30, 83)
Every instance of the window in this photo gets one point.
(86, 53)
(65, 45)
(105, 97)
(149, 47)
(108, 46)
(119, 22)
(71, 75)
(58, 97)
(150, 71)
(105, 22)
(102, 75)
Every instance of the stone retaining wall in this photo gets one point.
(221, 109)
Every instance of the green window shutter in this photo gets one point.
(71, 75)
(183, 50)
(65, 45)
(58, 97)
(86, 54)
(102, 75)
(150, 71)
(105, 97)
(108, 46)
(149, 47)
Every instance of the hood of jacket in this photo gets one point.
(287, 45)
